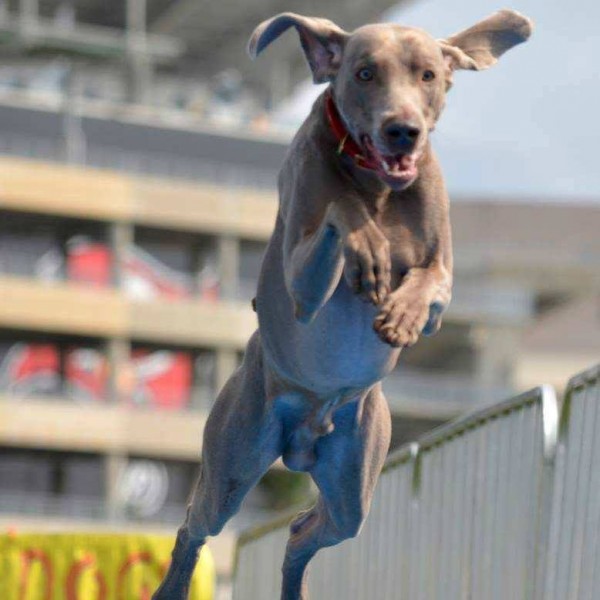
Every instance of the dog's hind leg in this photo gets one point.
(348, 463)
(241, 440)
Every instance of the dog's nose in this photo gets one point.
(402, 136)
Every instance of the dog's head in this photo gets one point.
(389, 81)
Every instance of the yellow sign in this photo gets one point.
(92, 567)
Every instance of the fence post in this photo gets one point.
(550, 424)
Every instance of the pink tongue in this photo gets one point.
(405, 162)
(401, 163)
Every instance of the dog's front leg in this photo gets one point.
(314, 271)
(347, 241)
(417, 305)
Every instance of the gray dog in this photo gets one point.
(359, 264)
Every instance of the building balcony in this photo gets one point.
(61, 424)
(67, 308)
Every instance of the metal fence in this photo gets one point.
(573, 550)
(501, 504)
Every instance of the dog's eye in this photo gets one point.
(428, 75)
(364, 74)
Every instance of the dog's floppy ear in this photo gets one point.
(322, 41)
(480, 46)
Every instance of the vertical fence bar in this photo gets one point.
(589, 566)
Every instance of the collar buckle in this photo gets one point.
(340, 148)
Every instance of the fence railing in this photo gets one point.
(573, 550)
(499, 504)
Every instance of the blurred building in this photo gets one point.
(137, 193)
(125, 305)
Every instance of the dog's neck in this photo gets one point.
(375, 191)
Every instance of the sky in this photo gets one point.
(529, 126)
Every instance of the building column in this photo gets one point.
(74, 136)
(227, 362)
(121, 238)
(228, 251)
(118, 350)
(114, 465)
(139, 61)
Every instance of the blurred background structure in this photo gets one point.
(139, 149)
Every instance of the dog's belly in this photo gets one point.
(338, 350)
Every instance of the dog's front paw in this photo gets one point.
(368, 263)
(402, 317)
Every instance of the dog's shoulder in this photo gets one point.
(309, 173)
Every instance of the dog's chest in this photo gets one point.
(410, 234)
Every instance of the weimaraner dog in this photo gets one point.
(359, 264)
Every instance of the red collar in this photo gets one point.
(346, 144)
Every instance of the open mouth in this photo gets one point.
(396, 169)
